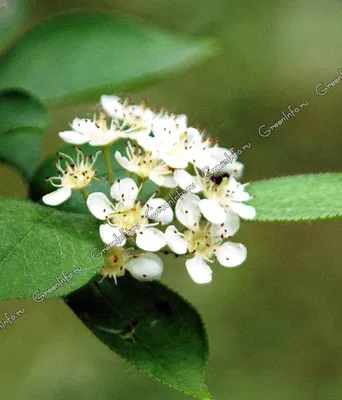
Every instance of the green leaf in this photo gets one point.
(23, 120)
(83, 55)
(39, 187)
(38, 243)
(12, 16)
(168, 340)
(298, 198)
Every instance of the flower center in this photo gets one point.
(202, 242)
(216, 192)
(135, 116)
(115, 262)
(146, 163)
(127, 219)
(101, 128)
(78, 178)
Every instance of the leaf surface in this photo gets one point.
(81, 55)
(38, 244)
(298, 198)
(151, 327)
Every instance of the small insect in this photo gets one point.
(217, 179)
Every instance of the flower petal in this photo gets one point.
(113, 106)
(236, 190)
(83, 125)
(184, 180)
(126, 191)
(234, 168)
(243, 210)
(159, 210)
(187, 210)
(231, 254)
(174, 161)
(150, 239)
(139, 116)
(147, 142)
(169, 127)
(57, 197)
(73, 137)
(175, 240)
(112, 235)
(163, 180)
(146, 267)
(212, 211)
(199, 270)
(229, 227)
(99, 205)
(193, 136)
(125, 162)
(225, 161)
(104, 139)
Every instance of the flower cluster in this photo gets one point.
(160, 147)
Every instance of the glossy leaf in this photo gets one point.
(298, 198)
(38, 243)
(83, 55)
(151, 327)
(12, 16)
(23, 120)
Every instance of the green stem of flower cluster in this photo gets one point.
(162, 192)
(106, 155)
(84, 193)
(139, 181)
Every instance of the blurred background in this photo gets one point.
(274, 323)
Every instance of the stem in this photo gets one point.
(84, 193)
(139, 180)
(106, 155)
(172, 193)
(163, 191)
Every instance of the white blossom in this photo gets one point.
(161, 147)
(202, 240)
(75, 175)
(146, 166)
(139, 117)
(96, 132)
(127, 213)
(176, 144)
(142, 266)
(223, 160)
(222, 196)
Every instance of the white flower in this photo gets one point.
(144, 266)
(75, 175)
(127, 213)
(222, 160)
(222, 196)
(176, 144)
(97, 132)
(202, 240)
(146, 166)
(113, 106)
(138, 116)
